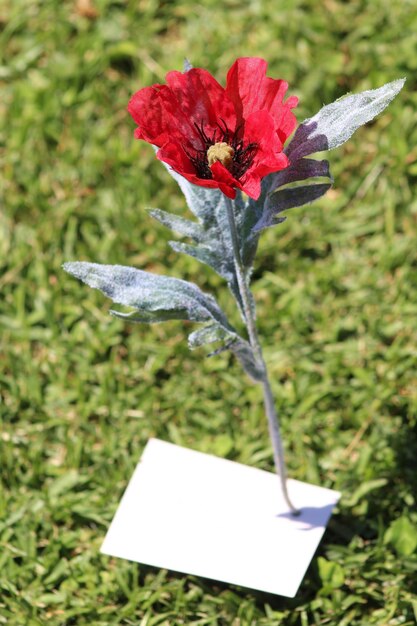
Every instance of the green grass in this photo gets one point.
(336, 287)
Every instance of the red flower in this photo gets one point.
(227, 138)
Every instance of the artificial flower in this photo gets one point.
(227, 138)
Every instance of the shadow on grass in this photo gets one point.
(308, 589)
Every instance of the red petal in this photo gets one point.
(273, 92)
(224, 179)
(250, 91)
(244, 84)
(169, 116)
(285, 120)
(201, 98)
(174, 155)
(252, 187)
(159, 117)
(260, 129)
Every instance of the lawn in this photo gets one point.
(336, 289)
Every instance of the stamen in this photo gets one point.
(229, 149)
(243, 158)
(220, 152)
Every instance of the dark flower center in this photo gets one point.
(224, 146)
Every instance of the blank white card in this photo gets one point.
(202, 515)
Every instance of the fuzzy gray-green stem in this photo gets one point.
(273, 423)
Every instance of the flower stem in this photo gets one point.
(271, 413)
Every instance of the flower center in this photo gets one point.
(231, 152)
(220, 151)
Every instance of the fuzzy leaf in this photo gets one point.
(242, 351)
(200, 200)
(206, 335)
(155, 298)
(211, 235)
(206, 254)
(187, 65)
(160, 298)
(240, 348)
(288, 199)
(335, 123)
(260, 214)
(151, 317)
(178, 224)
(247, 213)
(302, 169)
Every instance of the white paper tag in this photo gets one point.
(202, 515)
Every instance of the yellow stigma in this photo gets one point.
(222, 152)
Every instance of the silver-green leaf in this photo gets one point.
(285, 199)
(186, 228)
(335, 123)
(211, 236)
(154, 298)
(277, 196)
(214, 332)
